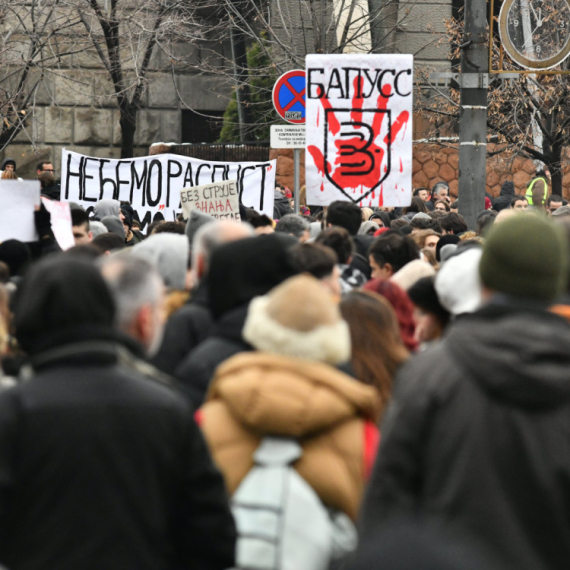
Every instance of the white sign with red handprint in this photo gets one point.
(359, 131)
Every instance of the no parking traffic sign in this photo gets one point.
(289, 96)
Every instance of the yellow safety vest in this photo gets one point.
(528, 194)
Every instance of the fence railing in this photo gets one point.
(256, 151)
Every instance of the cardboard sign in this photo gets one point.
(18, 201)
(220, 200)
(152, 184)
(60, 222)
(359, 131)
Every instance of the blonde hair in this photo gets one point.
(366, 213)
(303, 196)
(9, 175)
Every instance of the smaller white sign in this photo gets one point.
(60, 222)
(288, 136)
(219, 199)
(19, 199)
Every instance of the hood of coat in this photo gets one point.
(508, 189)
(279, 395)
(7, 161)
(106, 208)
(518, 356)
(169, 253)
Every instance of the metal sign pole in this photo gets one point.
(296, 153)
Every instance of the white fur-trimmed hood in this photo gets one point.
(329, 343)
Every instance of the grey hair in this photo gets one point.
(206, 239)
(438, 185)
(134, 283)
(97, 228)
(293, 224)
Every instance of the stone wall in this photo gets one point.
(433, 163)
(76, 109)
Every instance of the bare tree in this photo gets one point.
(528, 114)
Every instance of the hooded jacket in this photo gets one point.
(7, 161)
(505, 197)
(281, 206)
(106, 208)
(258, 394)
(478, 433)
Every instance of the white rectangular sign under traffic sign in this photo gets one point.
(288, 136)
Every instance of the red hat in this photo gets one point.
(380, 231)
(487, 203)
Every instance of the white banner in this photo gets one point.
(219, 200)
(19, 199)
(359, 129)
(152, 184)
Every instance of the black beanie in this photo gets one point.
(16, 255)
(128, 212)
(423, 294)
(445, 240)
(60, 294)
(247, 268)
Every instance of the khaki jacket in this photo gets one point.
(257, 394)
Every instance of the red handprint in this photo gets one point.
(360, 157)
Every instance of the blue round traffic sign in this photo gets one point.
(289, 96)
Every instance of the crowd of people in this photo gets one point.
(345, 387)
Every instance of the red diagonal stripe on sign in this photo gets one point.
(297, 97)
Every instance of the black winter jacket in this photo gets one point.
(103, 468)
(185, 329)
(197, 370)
(478, 433)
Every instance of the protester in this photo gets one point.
(401, 304)
(237, 273)
(475, 431)
(377, 347)
(430, 317)
(193, 322)
(294, 225)
(321, 262)
(80, 226)
(289, 388)
(108, 242)
(519, 203)
(111, 470)
(505, 197)
(390, 252)
(339, 240)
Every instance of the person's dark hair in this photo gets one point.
(61, 298)
(345, 215)
(40, 165)
(153, 225)
(454, 223)
(399, 224)
(16, 255)
(170, 228)
(436, 214)
(46, 179)
(108, 242)
(393, 248)
(518, 199)
(426, 224)
(418, 190)
(314, 258)
(484, 222)
(417, 205)
(454, 205)
(339, 240)
(553, 198)
(293, 224)
(258, 220)
(79, 217)
(88, 252)
(540, 173)
(377, 347)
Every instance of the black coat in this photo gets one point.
(101, 467)
(185, 329)
(197, 370)
(52, 192)
(281, 206)
(478, 433)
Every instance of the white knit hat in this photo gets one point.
(411, 273)
(299, 319)
(457, 283)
